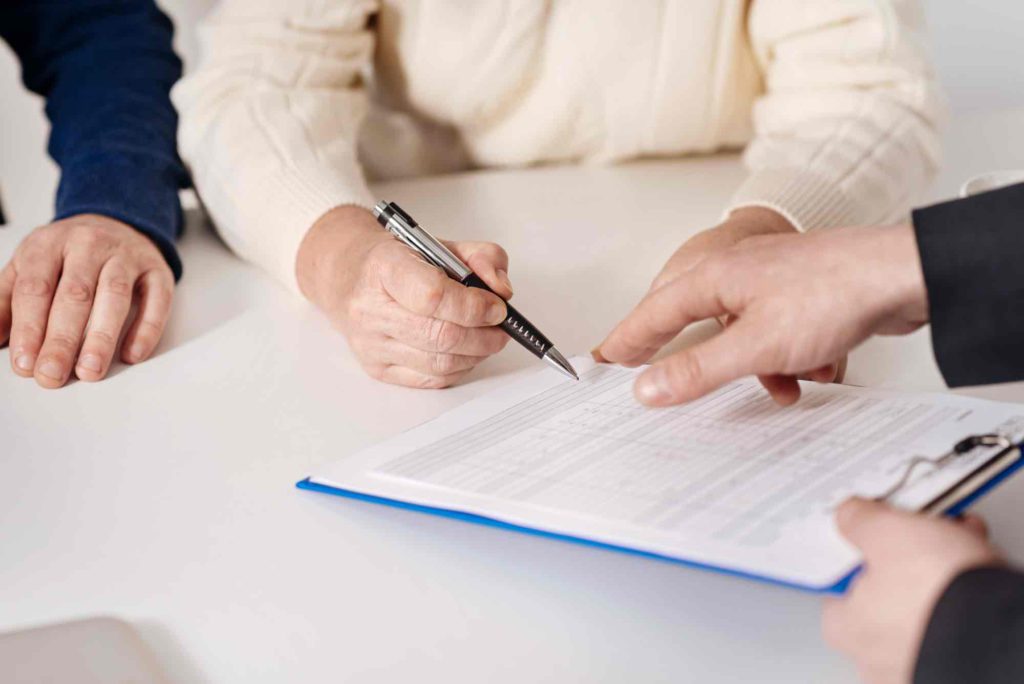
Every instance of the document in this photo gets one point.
(731, 481)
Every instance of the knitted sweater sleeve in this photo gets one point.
(271, 115)
(847, 130)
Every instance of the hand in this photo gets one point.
(909, 561)
(405, 320)
(66, 294)
(741, 224)
(800, 303)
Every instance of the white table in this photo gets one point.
(165, 494)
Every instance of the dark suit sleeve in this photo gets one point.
(106, 68)
(976, 632)
(971, 252)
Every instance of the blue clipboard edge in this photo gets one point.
(957, 509)
(308, 484)
(839, 587)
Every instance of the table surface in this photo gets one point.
(165, 494)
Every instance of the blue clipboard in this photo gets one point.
(839, 587)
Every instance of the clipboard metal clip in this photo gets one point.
(964, 446)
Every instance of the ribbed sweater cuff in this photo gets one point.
(806, 199)
(292, 200)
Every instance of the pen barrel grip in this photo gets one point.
(515, 324)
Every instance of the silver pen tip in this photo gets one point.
(555, 359)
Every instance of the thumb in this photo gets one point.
(489, 261)
(863, 521)
(701, 369)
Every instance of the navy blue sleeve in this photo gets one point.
(106, 68)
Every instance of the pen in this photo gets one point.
(403, 227)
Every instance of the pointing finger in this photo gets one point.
(660, 316)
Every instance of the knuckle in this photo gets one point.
(148, 332)
(776, 352)
(34, 286)
(374, 370)
(477, 306)
(446, 335)
(61, 342)
(685, 370)
(119, 286)
(75, 289)
(433, 382)
(367, 349)
(92, 237)
(493, 341)
(33, 253)
(498, 251)
(357, 312)
(101, 339)
(444, 364)
(431, 296)
(491, 252)
(116, 281)
(35, 243)
(380, 264)
(23, 332)
(166, 298)
(162, 296)
(87, 238)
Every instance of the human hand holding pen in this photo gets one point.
(800, 303)
(405, 320)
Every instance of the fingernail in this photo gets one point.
(496, 313)
(52, 370)
(597, 355)
(653, 386)
(90, 362)
(503, 278)
(25, 362)
(136, 352)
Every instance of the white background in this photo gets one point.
(978, 47)
(214, 615)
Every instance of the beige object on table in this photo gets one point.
(100, 650)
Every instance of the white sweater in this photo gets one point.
(296, 103)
